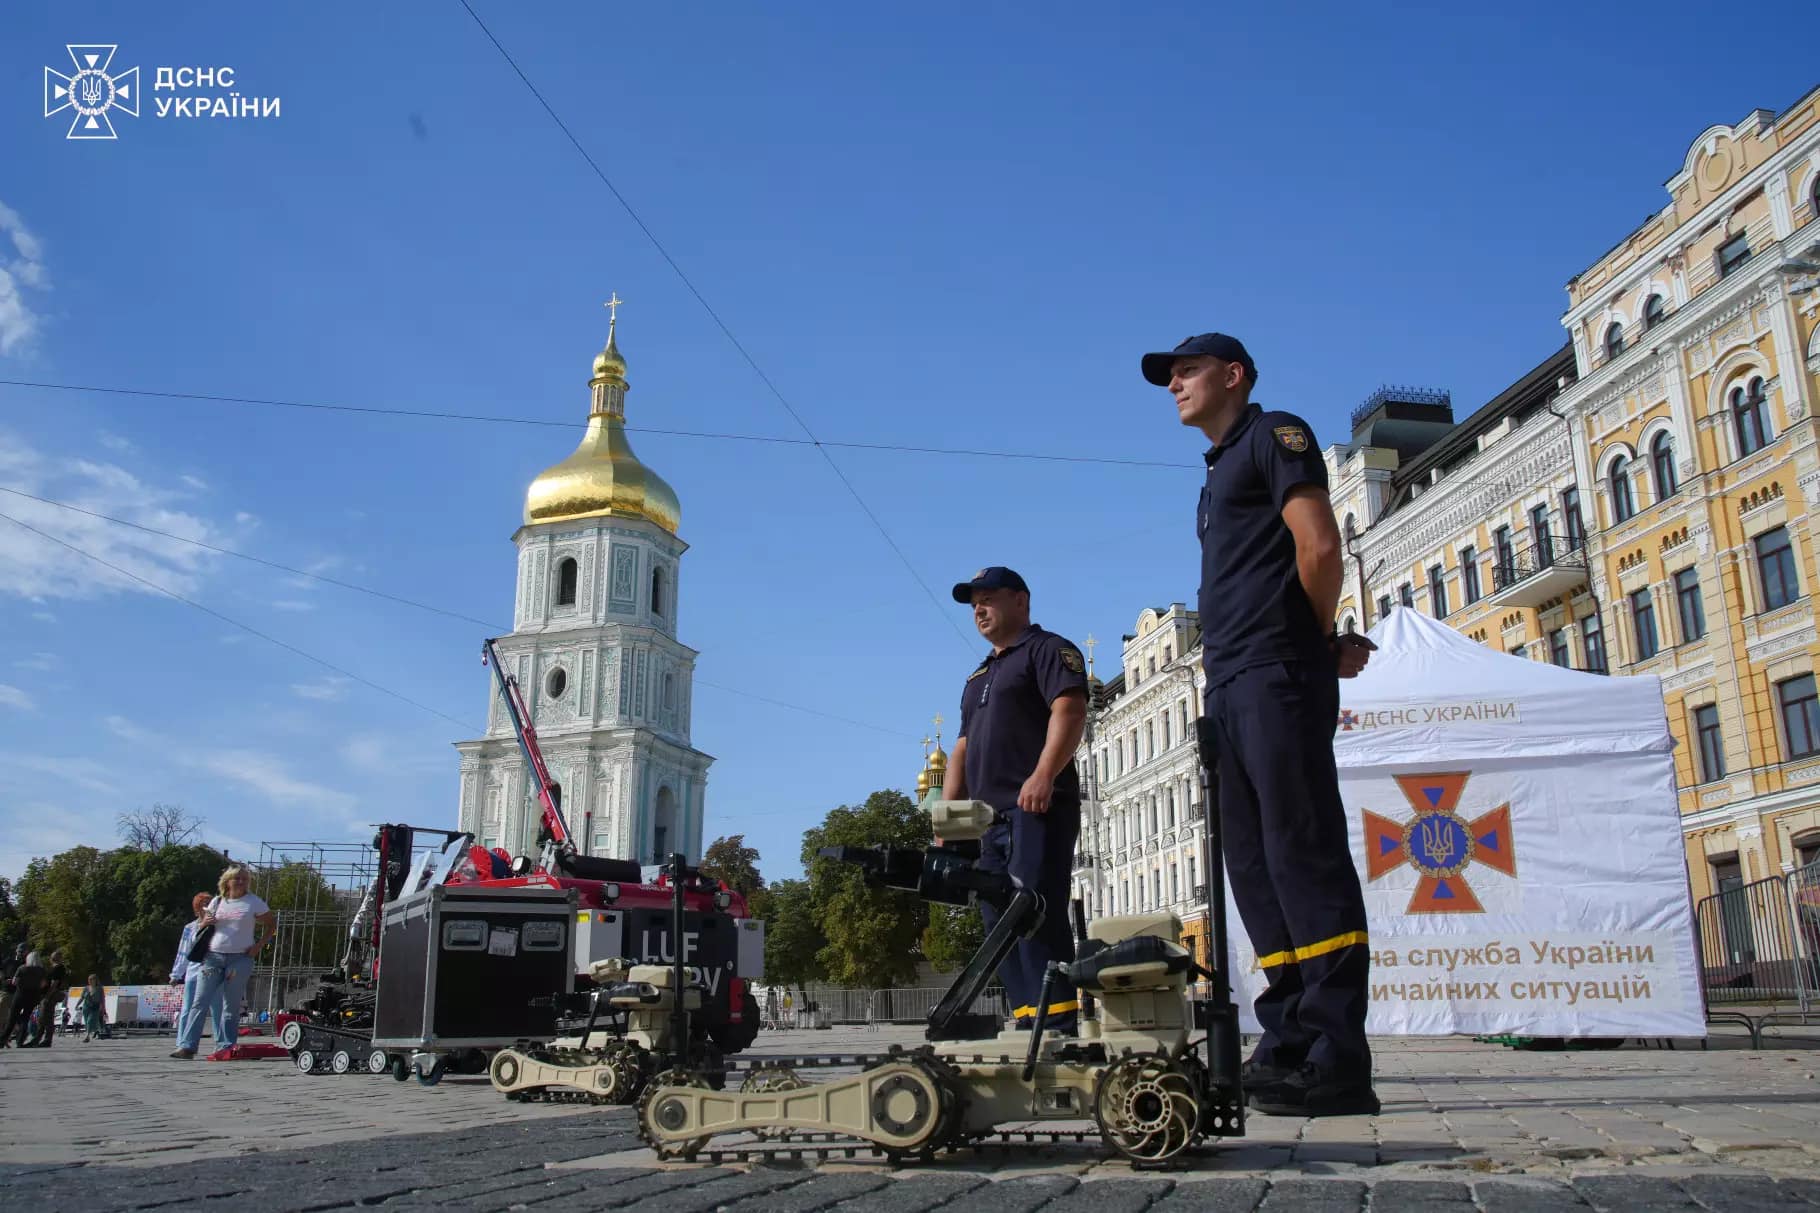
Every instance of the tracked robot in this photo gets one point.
(651, 1015)
(1137, 1070)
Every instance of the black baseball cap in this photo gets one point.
(992, 577)
(1211, 345)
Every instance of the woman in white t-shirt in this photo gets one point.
(238, 918)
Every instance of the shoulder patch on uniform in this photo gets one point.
(1293, 437)
(1071, 657)
(977, 672)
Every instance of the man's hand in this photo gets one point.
(1036, 793)
(1350, 653)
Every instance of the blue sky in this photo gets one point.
(950, 225)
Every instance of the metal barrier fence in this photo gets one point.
(1760, 951)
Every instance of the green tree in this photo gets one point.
(735, 864)
(872, 933)
(12, 927)
(953, 935)
(793, 936)
(58, 899)
(150, 903)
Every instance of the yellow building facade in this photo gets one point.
(1641, 501)
(1693, 420)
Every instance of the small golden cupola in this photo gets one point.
(603, 476)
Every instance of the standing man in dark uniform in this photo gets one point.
(1022, 714)
(1270, 584)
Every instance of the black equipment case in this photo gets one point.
(473, 967)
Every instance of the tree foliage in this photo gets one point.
(953, 935)
(793, 935)
(872, 933)
(162, 825)
(311, 913)
(114, 913)
(730, 861)
(12, 927)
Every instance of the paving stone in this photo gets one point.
(1314, 1196)
(1633, 1194)
(1420, 1196)
(1507, 1196)
(1216, 1195)
(1128, 1195)
(923, 1192)
(814, 1193)
(1723, 1192)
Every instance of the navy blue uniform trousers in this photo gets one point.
(1037, 851)
(1289, 863)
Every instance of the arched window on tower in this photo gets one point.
(567, 574)
(1654, 312)
(658, 596)
(1662, 463)
(663, 826)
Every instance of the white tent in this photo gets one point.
(1517, 834)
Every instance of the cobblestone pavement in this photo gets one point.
(118, 1125)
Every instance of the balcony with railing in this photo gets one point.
(1537, 574)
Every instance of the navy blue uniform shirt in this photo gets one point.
(1005, 717)
(1253, 608)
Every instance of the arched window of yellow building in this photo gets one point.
(1662, 463)
(1614, 341)
(1623, 505)
(1748, 409)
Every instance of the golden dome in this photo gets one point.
(603, 476)
(922, 783)
(938, 761)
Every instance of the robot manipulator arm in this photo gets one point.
(942, 874)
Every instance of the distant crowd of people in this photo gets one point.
(33, 1003)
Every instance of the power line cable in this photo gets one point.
(490, 626)
(494, 419)
(270, 639)
(944, 611)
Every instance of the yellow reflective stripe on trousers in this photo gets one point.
(1023, 1012)
(1055, 1008)
(1312, 950)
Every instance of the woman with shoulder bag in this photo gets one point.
(186, 972)
(232, 923)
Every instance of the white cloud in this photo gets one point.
(83, 773)
(13, 697)
(34, 567)
(266, 775)
(323, 689)
(20, 272)
(114, 442)
(125, 729)
(293, 604)
(195, 482)
(39, 661)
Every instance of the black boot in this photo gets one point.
(1315, 1091)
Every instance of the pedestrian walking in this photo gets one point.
(28, 992)
(54, 1000)
(92, 1006)
(1270, 586)
(1022, 714)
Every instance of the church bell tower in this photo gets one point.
(594, 649)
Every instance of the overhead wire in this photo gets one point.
(946, 614)
(491, 626)
(435, 415)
